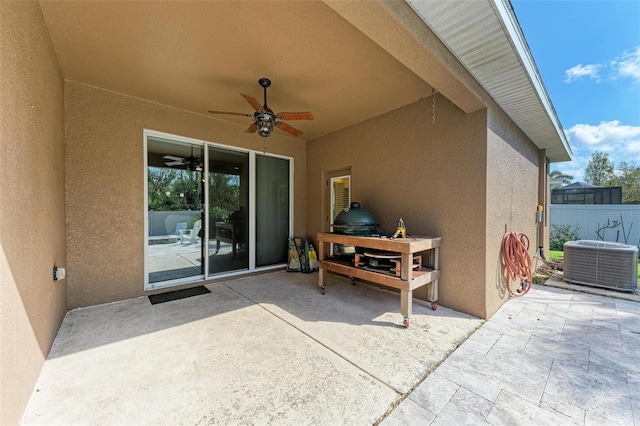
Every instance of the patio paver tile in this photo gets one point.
(572, 413)
(509, 409)
(615, 360)
(453, 414)
(595, 390)
(472, 402)
(579, 331)
(477, 384)
(485, 336)
(575, 352)
(475, 372)
(434, 393)
(409, 413)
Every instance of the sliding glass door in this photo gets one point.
(175, 207)
(272, 210)
(228, 210)
(212, 210)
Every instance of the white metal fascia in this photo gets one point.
(484, 35)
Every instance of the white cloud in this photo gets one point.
(573, 168)
(621, 142)
(633, 147)
(628, 65)
(608, 135)
(579, 71)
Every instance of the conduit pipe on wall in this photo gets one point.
(539, 213)
(543, 195)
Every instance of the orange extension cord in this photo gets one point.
(517, 262)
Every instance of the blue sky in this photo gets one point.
(588, 54)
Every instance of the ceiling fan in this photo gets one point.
(191, 163)
(264, 119)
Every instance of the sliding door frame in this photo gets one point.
(147, 133)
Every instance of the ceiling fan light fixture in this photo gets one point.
(265, 128)
(264, 124)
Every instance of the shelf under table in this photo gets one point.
(409, 279)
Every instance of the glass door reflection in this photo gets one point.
(228, 210)
(175, 212)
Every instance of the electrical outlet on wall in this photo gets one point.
(59, 273)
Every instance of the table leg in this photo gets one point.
(406, 267)
(406, 305)
(321, 272)
(433, 286)
(406, 296)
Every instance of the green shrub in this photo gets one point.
(218, 214)
(560, 234)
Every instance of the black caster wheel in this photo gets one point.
(353, 281)
(322, 290)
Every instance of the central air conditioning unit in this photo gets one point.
(601, 264)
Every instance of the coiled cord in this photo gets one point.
(517, 262)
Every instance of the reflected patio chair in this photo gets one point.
(181, 228)
(191, 235)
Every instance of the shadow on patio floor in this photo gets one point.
(267, 348)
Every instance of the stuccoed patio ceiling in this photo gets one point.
(343, 61)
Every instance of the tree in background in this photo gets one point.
(171, 189)
(628, 177)
(564, 179)
(160, 181)
(599, 171)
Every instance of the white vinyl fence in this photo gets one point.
(164, 223)
(607, 222)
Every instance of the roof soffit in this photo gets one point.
(485, 37)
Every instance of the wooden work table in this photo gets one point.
(411, 276)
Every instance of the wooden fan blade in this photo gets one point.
(252, 128)
(175, 163)
(295, 115)
(231, 113)
(284, 126)
(253, 102)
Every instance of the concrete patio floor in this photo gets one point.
(256, 350)
(270, 349)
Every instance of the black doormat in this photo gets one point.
(178, 294)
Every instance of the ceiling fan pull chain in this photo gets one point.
(433, 105)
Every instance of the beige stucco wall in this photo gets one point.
(512, 196)
(105, 184)
(32, 208)
(431, 175)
